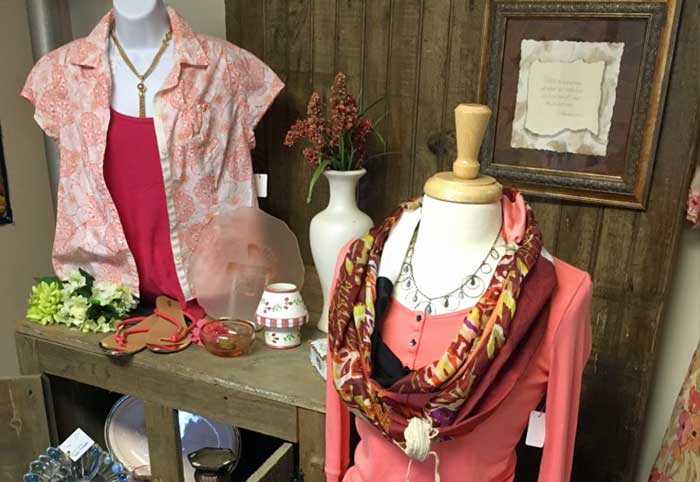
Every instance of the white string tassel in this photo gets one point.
(419, 436)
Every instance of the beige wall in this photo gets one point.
(205, 16)
(679, 338)
(25, 246)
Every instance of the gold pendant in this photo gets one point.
(142, 99)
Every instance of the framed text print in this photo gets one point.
(577, 90)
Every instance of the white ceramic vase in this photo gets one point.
(330, 229)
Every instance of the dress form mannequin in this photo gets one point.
(460, 222)
(140, 26)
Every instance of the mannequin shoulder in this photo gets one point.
(241, 67)
(573, 292)
(54, 65)
(220, 50)
(571, 279)
(65, 54)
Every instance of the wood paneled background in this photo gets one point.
(423, 57)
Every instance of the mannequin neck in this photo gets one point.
(141, 24)
(450, 230)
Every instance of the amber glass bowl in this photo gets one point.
(228, 338)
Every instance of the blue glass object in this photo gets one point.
(95, 465)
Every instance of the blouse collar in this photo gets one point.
(88, 51)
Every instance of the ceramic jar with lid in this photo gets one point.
(282, 313)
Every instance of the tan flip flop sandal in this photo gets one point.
(173, 333)
(130, 337)
(165, 331)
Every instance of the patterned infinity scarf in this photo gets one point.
(452, 390)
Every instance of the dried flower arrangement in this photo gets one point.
(338, 143)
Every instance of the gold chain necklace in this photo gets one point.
(142, 77)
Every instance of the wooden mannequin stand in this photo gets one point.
(464, 184)
(460, 218)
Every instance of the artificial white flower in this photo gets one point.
(74, 311)
(125, 301)
(104, 293)
(74, 282)
(103, 325)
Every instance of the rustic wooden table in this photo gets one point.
(273, 392)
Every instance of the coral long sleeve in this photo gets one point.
(488, 453)
(337, 416)
(337, 433)
(570, 351)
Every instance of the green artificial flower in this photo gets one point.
(87, 326)
(45, 302)
(126, 300)
(74, 311)
(101, 325)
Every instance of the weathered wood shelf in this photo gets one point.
(273, 392)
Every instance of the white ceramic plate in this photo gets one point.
(125, 434)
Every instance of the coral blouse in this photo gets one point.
(488, 453)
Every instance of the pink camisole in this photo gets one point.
(134, 178)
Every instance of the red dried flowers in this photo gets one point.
(338, 143)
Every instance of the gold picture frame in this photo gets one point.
(622, 175)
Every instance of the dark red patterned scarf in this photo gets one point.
(480, 367)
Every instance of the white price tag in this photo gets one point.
(536, 429)
(261, 185)
(76, 445)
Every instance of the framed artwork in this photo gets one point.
(576, 90)
(5, 210)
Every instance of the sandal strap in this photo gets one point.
(122, 333)
(176, 337)
(128, 321)
(120, 338)
(180, 334)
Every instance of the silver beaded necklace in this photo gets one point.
(472, 286)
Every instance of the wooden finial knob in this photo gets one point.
(470, 122)
(464, 184)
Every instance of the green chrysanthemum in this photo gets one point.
(45, 302)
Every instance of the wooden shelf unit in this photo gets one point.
(272, 392)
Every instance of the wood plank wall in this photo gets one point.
(423, 57)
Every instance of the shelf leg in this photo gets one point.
(164, 446)
(312, 445)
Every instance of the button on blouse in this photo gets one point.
(405, 331)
